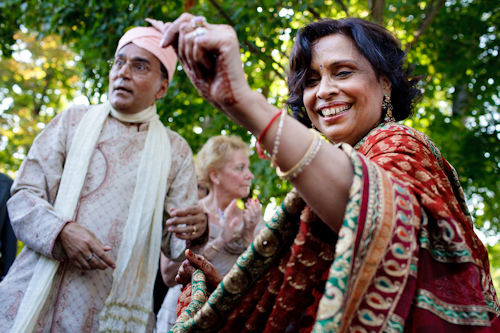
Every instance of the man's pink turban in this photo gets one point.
(149, 39)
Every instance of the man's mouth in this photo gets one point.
(334, 110)
(121, 88)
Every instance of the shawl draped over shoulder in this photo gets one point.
(406, 258)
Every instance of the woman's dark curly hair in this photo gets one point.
(375, 43)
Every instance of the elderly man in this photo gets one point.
(90, 200)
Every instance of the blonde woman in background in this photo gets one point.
(223, 166)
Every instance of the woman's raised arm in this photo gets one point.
(210, 55)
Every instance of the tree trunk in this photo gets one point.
(377, 10)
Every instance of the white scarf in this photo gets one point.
(128, 304)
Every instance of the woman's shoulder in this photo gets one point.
(394, 133)
(393, 138)
(387, 130)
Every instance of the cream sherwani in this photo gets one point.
(78, 296)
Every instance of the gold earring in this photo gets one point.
(387, 107)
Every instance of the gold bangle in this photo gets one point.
(305, 160)
(213, 247)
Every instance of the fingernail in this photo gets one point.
(190, 252)
(113, 266)
(170, 229)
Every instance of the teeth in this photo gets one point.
(335, 110)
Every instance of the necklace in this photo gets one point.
(209, 211)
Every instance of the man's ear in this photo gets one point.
(163, 89)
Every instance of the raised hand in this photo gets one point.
(210, 56)
(228, 222)
(251, 217)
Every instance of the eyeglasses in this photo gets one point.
(137, 66)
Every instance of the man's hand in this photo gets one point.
(187, 223)
(83, 248)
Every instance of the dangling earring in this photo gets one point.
(387, 107)
(312, 125)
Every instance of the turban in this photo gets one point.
(148, 38)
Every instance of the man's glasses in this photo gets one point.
(137, 66)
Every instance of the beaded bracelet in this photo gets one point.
(258, 144)
(305, 160)
(277, 139)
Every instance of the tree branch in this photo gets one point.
(344, 7)
(317, 16)
(430, 13)
(251, 47)
(314, 12)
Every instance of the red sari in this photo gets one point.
(405, 260)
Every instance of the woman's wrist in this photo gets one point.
(213, 248)
(253, 112)
(218, 243)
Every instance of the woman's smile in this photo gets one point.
(333, 110)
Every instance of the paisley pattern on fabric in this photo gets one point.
(383, 265)
(197, 299)
(406, 258)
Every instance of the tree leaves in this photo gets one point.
(35, 83)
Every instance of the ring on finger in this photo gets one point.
(199, 31)
(91, 256)
(194, 230)
(198, 21)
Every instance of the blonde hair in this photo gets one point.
(215, 153)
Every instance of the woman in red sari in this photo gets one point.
(376, 236)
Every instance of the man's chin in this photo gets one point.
(118, 104)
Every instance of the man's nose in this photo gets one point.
(125, 70)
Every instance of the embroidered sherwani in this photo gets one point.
(77, 296)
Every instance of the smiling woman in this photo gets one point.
(375, 236)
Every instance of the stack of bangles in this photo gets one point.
(304, 161)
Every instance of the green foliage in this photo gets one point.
(40, 78)
(494, 257)
(453, 44)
